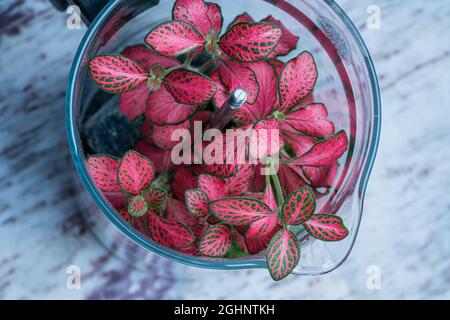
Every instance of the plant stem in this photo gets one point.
(188, 60)
(208, 64)
(278, 189)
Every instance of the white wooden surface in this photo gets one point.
(406, 225)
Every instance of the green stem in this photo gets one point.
(278, 189)
(188, 60)
(208, 64)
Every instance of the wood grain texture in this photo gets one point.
(405, 229)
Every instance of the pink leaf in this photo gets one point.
(267, 97)
(184, 180)
(217, 241)
(257, 245)
(197, 202)
(240, 182)
(214, 187)
(269, 197)
(321, 176)
(174, 38)
(161, 158)
(266, 139)
(250, 42)
(263, 227)
(116, 74)
(117, 199)
(177, 212)
(103, 170)
(221, 170)
(137, 206)
(297, 80)
(283, 254)
(299, 142)
(326, 227)
(133, 104)
(162, 135)
(215, 16)
(239, 211)
(154, 198)
(204, 17)
(298, 207)
(234, 75)
(169, 234)
(189, 87)
(288, 41)
(310, 120)
(290, 179)
(240, 241)
(136, 172)
(147, 58)
(222, 93)
(163, 109)
(325, 152)
(147, 131)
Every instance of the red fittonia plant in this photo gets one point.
(183, 75)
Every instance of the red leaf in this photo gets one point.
(321, 176)
(147, 58)
(116, 74)
(197, 202)
(326, 227)
(310, 120)
(297, 80)
(136, 172)
(161, 158)
(267, 97)
(234, 75)
(325, 152)
(239, 211)
(288, 41)
(117, 199)
(250, 42)
(263, 227)
(215, 16)
(133, 104)
(257, 245)
(184, 180)
(269, 197)
(266, 139)
(137, 206)
(221, 170)
(283, 254)
(298, 207)
(154, 198)
(214, 187)
(177, 212)
(216, 242)
(202, 16)
(174, 38)
(169, 234)
(189, 87)
(103, 170)
(147, 131)
(289, 178)
(162, 109)
(299, 142)
(240, 241)
(222, 93)
(240, 182)
(162, 135)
